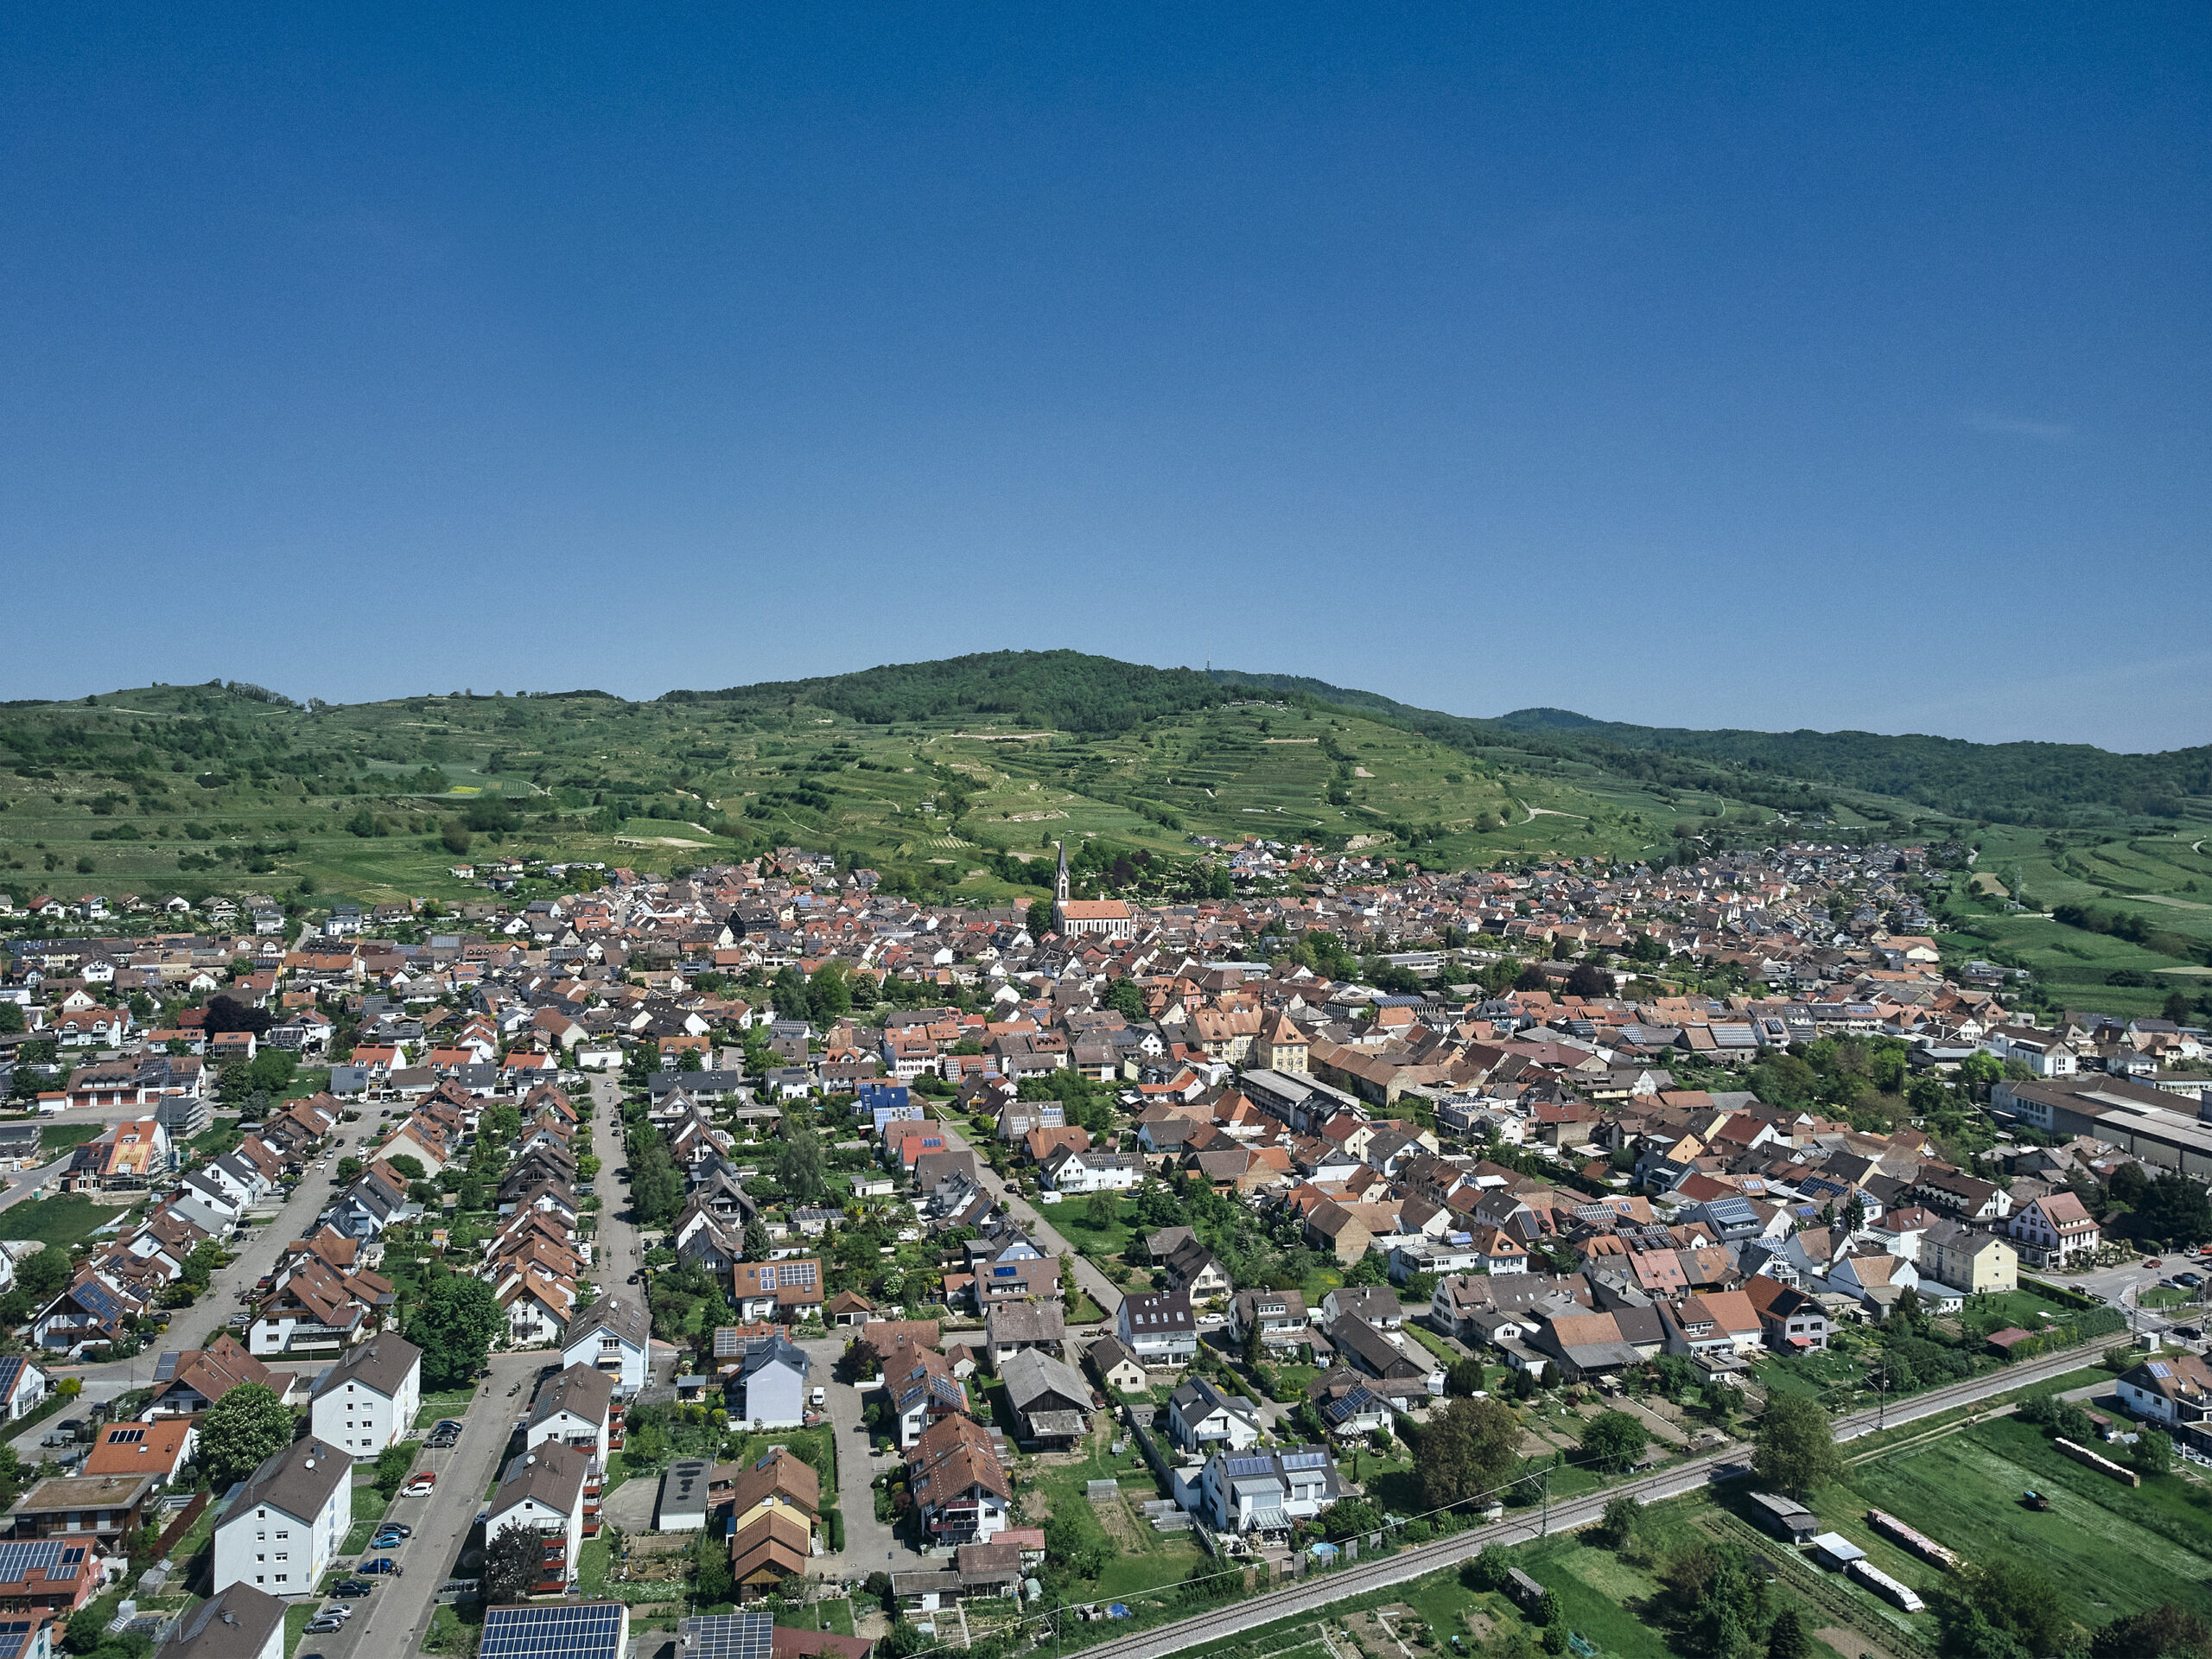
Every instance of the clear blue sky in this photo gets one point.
(1840, 366)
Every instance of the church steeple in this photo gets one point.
(1060, 881)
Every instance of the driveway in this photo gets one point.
(870, 1545)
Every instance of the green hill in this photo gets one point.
(943, 774)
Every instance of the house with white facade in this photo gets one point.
(2052, 1228)
(369, 1399)
(1201, 1416)
(614, 1338)
(576, 1409)
(283, 1531)
(1158, 1328)
(1266, 1492)
(544, 1492)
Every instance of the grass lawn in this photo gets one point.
(65, 1219)
(60, 1137)
(1435, 1344)
(2162, 1296)
(297, 1617)
(594, 1562)
(452, 1403)
(1104, 1243)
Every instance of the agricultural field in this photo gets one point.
(65, 1220)
(2146, 887)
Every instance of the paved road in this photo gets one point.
(195, 1326)
(1428, 1558)
(616, 1254)
(394, 1618)
(1101, 1290)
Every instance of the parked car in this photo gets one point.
(419, 1484)
(352, 1589)
(400, 1528)
(381, 1564)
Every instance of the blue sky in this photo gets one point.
(1840, 366)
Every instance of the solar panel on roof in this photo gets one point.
(728, 1635)
(19, 1561)
(591, 1631)
(1306, 1461)
(2159, 1370)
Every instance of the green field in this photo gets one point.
(2109, 1549)
(2158, 871)
(65, 1219)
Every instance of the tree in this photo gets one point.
(1464, 1377)
(1786, 1637)
(2153, 1454)
(1467, 1450)
(85, 1631)
(2166, 1631)
(712, 1581)
(1796, 1446)
(1588, 981)
(408, 1165)
(512, 1561)
(348, 1170)
(1126, 998)
(1615, 1440)
(454, 1325)
(801, 1167)
(1351, 1517)
(1041, 918)
(1617, 1528)
(241, 1431)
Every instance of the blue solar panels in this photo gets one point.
(1306, 1460)
(15, 1636)
(590, 1630)
(16, 1560)
(1239, 1467)
(728, 1635)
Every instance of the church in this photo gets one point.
(1105, 917)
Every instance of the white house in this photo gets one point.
(282, 1533)
(1199, 1415)
(2051, 1229)
(23, 1387)
(544, 1492)
(613, 1338)
(368, 1400)
(574, 1409)
(770, 1388)
(1091, 1171)
(1266, 1492)
(1158, 1328)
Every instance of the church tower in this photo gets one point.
(1060, 881)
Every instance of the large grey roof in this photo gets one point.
(298, 1480)
(235, 1624)
(382, 1364)
(617, 1315)
(580, 1391)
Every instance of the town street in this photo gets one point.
(394, 1618)
(1101, 1289)
(614, 1255)
(1322, 1589)
(870, 1544)
(197, 1325)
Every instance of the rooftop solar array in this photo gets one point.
(19, 1561)
(589, 1631)
(1306, 1460)
(15, 1636)
(728, 1635)
(1242, 1467)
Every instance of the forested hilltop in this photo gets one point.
(2010, 782)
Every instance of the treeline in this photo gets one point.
(1063, 691)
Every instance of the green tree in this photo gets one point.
(1126, 998)
(513, 1563)
(1796, 1446)
(454, 1323)
(2152, 1453)
(410, 1165)
(802, 1167)
(1614, 1440)
(1786, 1637)
(1618, 1528)
(199, 1267)
(1039, 918)
(348, 1171)
(757, 1241)
(711, 1578)
(1467, 1450)
(2165, 1631)
(241, 1431)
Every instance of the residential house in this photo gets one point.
(769, 1389)
(283, 1531)
(1200, 1416)
(959, 1484)
(574, 1406)
(788, 1291)
(1967, 1260)
(1051, 1400)
(615, 1339)
(1158, 1328)
(2051, 1229)
(544, 1492)
(369, 1399)
(1266, 1492)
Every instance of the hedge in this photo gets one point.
(836, 1520)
